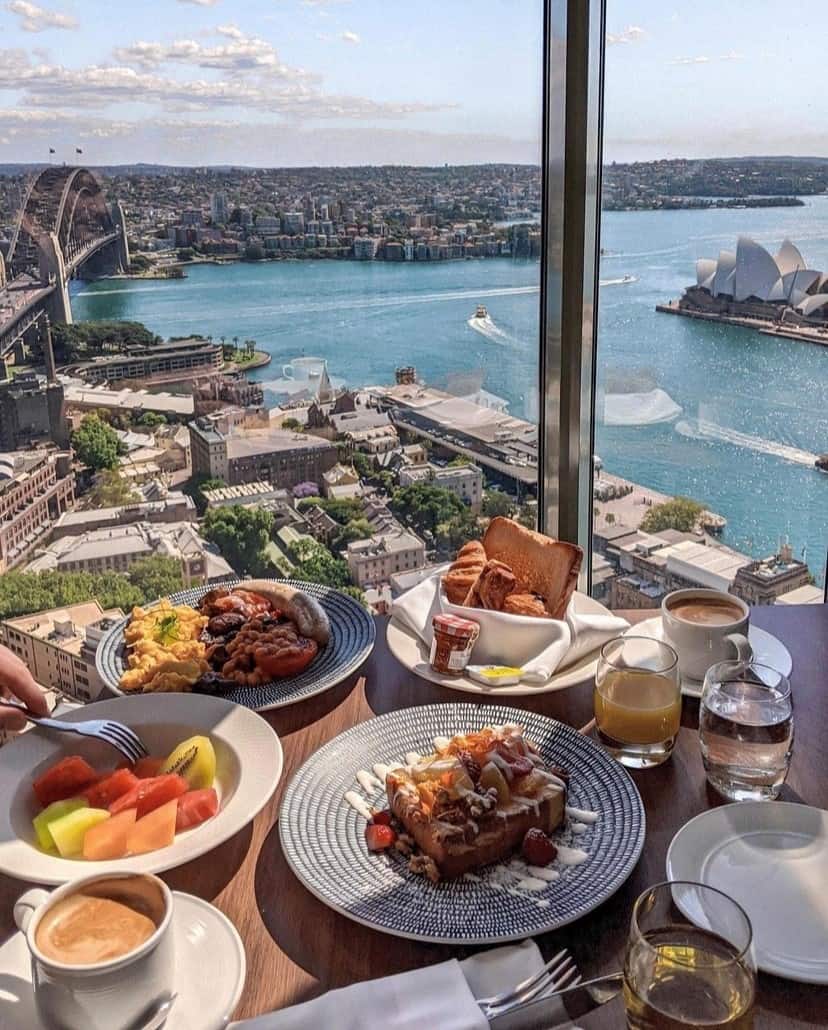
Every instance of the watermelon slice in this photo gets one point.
(194, 807)
(65, 779)
(150, 794)
(147, 768)
(154, 831)
(110, 788)
(109, 839)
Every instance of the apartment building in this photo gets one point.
(175, 507)
(464, 481)
(277, 456)
(161, 360)
(36, 489)
(59, 646)
(376, 559)
(116, 549)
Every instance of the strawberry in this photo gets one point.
(379, 837)
(537, 848)
(381, 817)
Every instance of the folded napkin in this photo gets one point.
(435, 996)
(540, 647)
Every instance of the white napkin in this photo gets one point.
(539, 646)
(435, 996)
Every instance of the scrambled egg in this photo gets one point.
(165, 652)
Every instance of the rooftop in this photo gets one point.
(385, 543)
(64, 627)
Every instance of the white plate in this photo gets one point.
(766, 648)
(411, 652)
(771, 857)
(209, 971)
(249, 764)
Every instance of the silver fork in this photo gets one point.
(558, 973)
(121, 737)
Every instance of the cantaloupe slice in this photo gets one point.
(109, 838)
(69, 831)
(155, 830)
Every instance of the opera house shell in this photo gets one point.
(752, 275)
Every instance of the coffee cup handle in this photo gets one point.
(24, 907)
(744, 652)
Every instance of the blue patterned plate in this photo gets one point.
(352, 640)
(323, 837)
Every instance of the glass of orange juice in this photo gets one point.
(637, 700)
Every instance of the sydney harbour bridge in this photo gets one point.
(66, 230)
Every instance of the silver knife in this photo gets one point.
(561, 1007)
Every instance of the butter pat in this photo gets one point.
(495, 675)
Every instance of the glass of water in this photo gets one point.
(746, 729)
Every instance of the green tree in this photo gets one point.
(112, 491)
(195, 487)
(316, 564)
(680, 513)
(528, 515)
(22, 593)
(242, 536)
(254, 252)
(497, 502)
(341, 509)
(186, 254)
(424, 507)
(96, 444)
(157, 576)
(356, 529)
(79, 340)
(458, 530)
(152, 419)
(292, 424)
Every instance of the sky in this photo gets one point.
(349, 82)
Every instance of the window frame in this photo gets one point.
(571, 159)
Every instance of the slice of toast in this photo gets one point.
(542, 566)
(466, 805)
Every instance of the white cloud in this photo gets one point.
(255, 83)
(230, 31)
(350, 37)
(631, 34)
(323, 3)
(200, 3)
(705, 59)
(38, 19)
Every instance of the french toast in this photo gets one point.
(472, 801)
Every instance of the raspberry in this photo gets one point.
(537, 848)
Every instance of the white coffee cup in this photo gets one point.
(105, 995)
(700, 645)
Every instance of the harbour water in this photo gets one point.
(754, 408)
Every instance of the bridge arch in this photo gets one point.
(69, 203)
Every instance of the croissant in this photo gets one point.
(463, 572)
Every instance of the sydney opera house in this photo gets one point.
(753, 283)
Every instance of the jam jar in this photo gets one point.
(452, 645)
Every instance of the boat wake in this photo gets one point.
(486, 327)
(624, 280)
(699, 429)
(646, 408)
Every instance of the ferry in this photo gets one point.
(481, 312)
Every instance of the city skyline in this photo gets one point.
(355, 82)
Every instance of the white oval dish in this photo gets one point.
(249, 764)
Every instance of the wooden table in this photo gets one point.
(298, 948)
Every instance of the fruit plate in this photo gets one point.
(352, 640)
(248, 767)
(323, 835)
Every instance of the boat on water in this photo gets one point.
(480, 312)
(822, 463)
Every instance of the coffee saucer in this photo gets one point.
(766, 648)
(209, 971)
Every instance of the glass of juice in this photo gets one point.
(637, 700)
(689, 960)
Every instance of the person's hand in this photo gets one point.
(16, 681)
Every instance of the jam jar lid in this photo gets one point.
(454, 626)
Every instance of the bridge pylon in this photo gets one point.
(53, 270)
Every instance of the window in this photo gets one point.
(712, 379)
